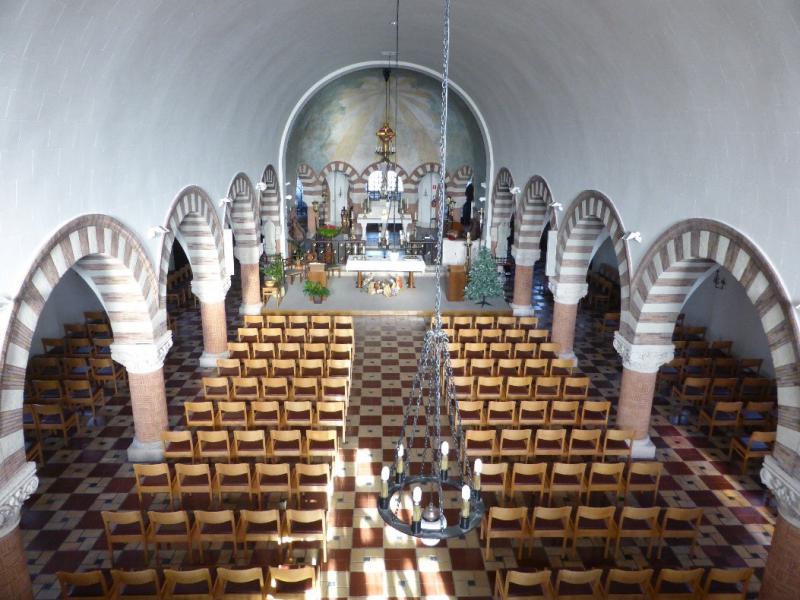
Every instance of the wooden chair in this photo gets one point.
(256, 321)
(271, 335)
(481, 367)
(480, 444)
(546, 388)
(192, 581)
(722, 389)
(505, 523)
(178, 445)
(339, 368)
(247, 335)
(51, 417)
(250, 444)
(727, 584)
(232, 479)
(494, 479)
(514, 443)
(459, 366)
(255, 367)
(605, 477)
(549, 350)
(290, 350)
(472, 350)
(594, 413)
(238, 350)
(464, 387)
(693, 391)
(193, 479)
(560, 367)
(532, 413)
(275, 389)
(226, 367)
(248, 583)
(468, 336)
(455, 350)
(553, 523)
(263, 351)
(48, 391)
(335, 389)
(670, 372)
(135, 585)
(285, 444)
(298, 321)
(756, 445)
(549, 442)
(583, 585)
(620, 584)
(510, 367)
(306, 526)
(81, 393)
(618, 442)
(471, 413)
(312, 479)
(609, 322)
(73, 368)
(644, 477)
(344, 336)
(79, 347)
(528, 477)
(564, 413)
(322, 444)
(492, 336)
(54, 346)
(723, 415)
(725, 367)
(499, 350)
(199, 414)
(501, 413)
(525, 351)
(680, 584)
(104, 370)
(213, 526)
(527, 586)
(90, 585)
(295, 583)
(332, 414)
(575, 388)
(124, 527)
(594, 522)
(750, 367)
(680, 523)
(272, 478)
(305, 388)
(538, 337)
(755, 389)
(232, 414)
(297, 414)
(583, 443)
(567, 478)
(341, 351)
(294, 335)
(757, 414)
(515, 336)
(277, 321)
(640, 523)
(259, 526)
(153, 479)
(518, 389)
(264, 414)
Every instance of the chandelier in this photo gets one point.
(424, 475)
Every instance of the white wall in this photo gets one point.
(729, 315)
(69, 299)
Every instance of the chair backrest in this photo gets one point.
(216, 387)
(640, 577)
(590, 578)
(138, 579)
(227, 367)
(521, 579)
(275, 387)
(173, 579)
(293, 577)
(273, 471)
(265, 350)
(256, 367)
(685, 577)
(734, 581)
(339, 367)
(499, 513)
(90, 581)
(185, 470)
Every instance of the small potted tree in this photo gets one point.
(316, 290)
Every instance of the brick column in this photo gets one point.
(782, 573)
(15, 580)
(640, 366)
(565, 311)
(523, 280)
(145, 366)
(212, 314)
(251, 289)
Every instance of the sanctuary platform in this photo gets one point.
(346, 298)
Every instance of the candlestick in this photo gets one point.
(465, 496)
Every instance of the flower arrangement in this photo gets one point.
(329, 231)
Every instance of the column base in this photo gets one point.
(643, 449)
(145, 452)
(209, 361)
(569, 356)
(521, 310)
(250, 309)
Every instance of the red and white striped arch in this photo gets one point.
(417, 174)
(502, 199)
(665, 277)
(457, 183)
(243, 216)
(338, 166)
(193, 216)
(584, 221)
(109, 256)
(312, 188)
(532, 211)
(270, 207)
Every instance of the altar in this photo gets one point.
(380, 212)
(367, 264)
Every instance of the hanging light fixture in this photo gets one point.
(430, 472)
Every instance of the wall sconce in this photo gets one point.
(719, 282)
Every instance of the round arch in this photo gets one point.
(349, 171)
(270, 208)
(243, 215)
(193, 216)
(532, 214)
(502, 208)
(665, 276)
(113, 261)
(589, 215)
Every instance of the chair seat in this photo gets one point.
(603, 479)
(756, 446)
(155, 480)
(105, 371)
(503, 525)
(312, 480)
(750, 415)
(515, 444)
(491, 479)
(637, 525)
(314, 527)
(549, 524)
(272, 480)
(126, 529)
(549, 445)
(216, 529)
(480, 445)
(528, 479)
(598, 524)
(680, 526)
(194, 481)
(237, 480)
(285, 445)
(322, 445)
(559, 479)
(251, 446)
(202, 416)
(583, 445)
(184, 446)
(215, 447)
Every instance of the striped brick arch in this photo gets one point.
(243, 216)
(532, 212)
(103, 251)
(338, 166)
(502, 200)
(417, 174)
(457, 183)
(270, 207)
(312, 188)
(193, 216)
(587, 217)
(665, 277)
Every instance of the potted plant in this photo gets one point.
(328, 231)
(274, 271)
(316, 290)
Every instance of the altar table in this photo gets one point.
(409, 265)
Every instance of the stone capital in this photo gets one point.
(143, 358)
(784, 487)
(13, 494)
(248, 255)
(642, 358)
(525, 257)
(211, 292)
(567, 293)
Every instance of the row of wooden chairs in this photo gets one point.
(669, 584)
(72, 394)
(179, 289)
(283, 387)
(255, 444)
(506, 479)
(285, 527)
(688, 333)
(483, 321)
(699, 391)
(523, 444)
(296, 335)
(46, 418)
(232, 478)
(503, 350)
(534, 413)
(703, 349)
(85, 347)
(608, 323)
(301, 321)
(268, 350)
(567, 525)
(536, 367)
(284, 367)
(282, 582)
(678, 369)
(262, 414)
(98, 370)
(489, 336)
(526, 387)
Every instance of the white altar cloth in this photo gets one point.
(385, 265)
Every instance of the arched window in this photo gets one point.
(374, 185)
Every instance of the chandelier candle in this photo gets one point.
(384, 499)
(400, 475)
(465, 496)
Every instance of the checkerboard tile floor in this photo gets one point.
(63, 530)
